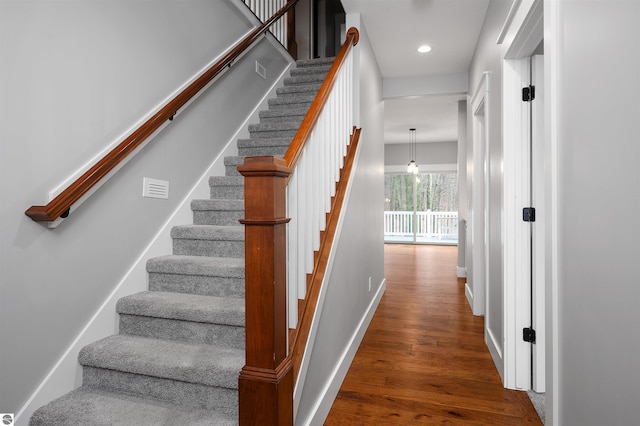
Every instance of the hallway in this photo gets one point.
(423, 359)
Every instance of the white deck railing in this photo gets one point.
(265, 9)
(313, 183)
(438, 225)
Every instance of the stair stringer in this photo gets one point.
(66, 374)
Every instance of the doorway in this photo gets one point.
(525, 224)
(421, 208)
(329, 28)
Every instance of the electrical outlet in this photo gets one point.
(369, 284)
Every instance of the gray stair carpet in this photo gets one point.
(180, 347)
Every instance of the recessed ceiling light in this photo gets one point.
(424, 48)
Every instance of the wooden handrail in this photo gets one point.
(302, 135)
(60, 206)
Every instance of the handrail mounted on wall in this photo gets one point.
(61, 205)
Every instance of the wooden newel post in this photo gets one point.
(266, 381)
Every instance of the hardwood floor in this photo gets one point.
(423, 359)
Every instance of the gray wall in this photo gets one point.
(463, 207)
(598, 255)
(426, 153)
(75, 76)
(360, 247)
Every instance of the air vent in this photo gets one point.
(154, 188)
(262, 71)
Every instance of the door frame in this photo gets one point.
(516, 192)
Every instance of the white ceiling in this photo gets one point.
(396, 29)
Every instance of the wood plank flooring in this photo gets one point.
(423, 359)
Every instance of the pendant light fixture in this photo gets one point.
(412, 167)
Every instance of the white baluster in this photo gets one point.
(292, 250)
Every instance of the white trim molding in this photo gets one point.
(480, 139)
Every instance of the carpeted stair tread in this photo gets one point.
(290, 114)
(183, 306)
(291, 99)
(299, 88)
(208, 232)
(264, 146)
(89, 406)
(197, 265)
(231, 164)
(318, 69)
(314, 62)
(226, 181)
(284, 129)
(304, 79)
(209, 240)
(219, 211)
(185, 362)
(262, 142)
(220, 203)
(270, 127)
(227, 187)
(233, 160)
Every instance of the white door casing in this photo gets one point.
(476, 288)
(538, 197)
(523, 268)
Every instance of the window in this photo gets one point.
(421, 208)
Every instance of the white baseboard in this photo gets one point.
(461, 272)
(66, 374)
(495, 351)
(469, 293)
(326, 398)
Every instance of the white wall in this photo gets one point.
(593, 59)
(76, 75)
(488, 57)
(426, 153)
(359, 254)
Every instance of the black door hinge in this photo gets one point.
(529, 214)
(529, 335)
(528, 93)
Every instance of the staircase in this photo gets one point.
(180, 349)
